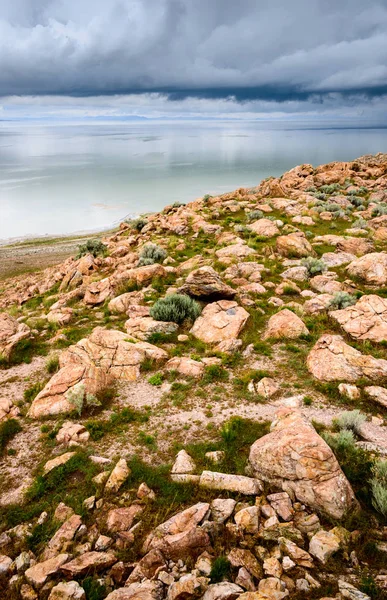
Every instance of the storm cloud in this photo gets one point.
(269, 50)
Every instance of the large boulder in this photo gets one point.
(296, 459)
(11, 332)
(90, 366)
(264, 228)
(285, 324)
(234, 252)
(205, 282)
(371, 268)
(98, 291)
(331, 359)
(366, 320)
(294, 245)
(220, 321)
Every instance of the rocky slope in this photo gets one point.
(196, 408)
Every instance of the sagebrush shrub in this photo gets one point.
(360, 224)
(176, 308)
(314, 266)
(350, 420)
(379, 487)
(151, 254)
(79, 398)
(94, 247)
(342, 300)
(379, 211)
(254, 215)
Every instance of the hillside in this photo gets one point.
(196, 406)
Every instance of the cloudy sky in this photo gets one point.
(197, 58)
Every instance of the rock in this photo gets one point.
(60, 542)
(147, 590)
(366, 320)
(245, 580)
(117, 477)
(205, 282)
(185, 366)
(57, 462)
(371, 268)
(7, 409)
(98, 291)
(220, 321)
(232, 483)
(247, 519)
(11, 333)
(272, 567)
(264, 228)
(267, 387)
(337, 259)
(180, 535)
(234, 252)
(222, 591)
(90, 561)
(60, 316)
(318, 304)
(295, 274)
(323, 544)
(183, 463)
(63, 512)
(142, 328)
(288, 563)
(285, 324)
(377, 394)
(120, 304)
(22, 562)
(282, 505)
(140, 275)
(27, 592)
(349, 391)
(295, 458)
(39, 573)
(294, 245)
(70, 590)
(188, 586)
(298, 555)
(272, 588)
(121, 519)
(349, 591)
(72, 432)
(222, 509)
(90, 366)
(239, 557)
(5, 564)
(355, 245)
(326, 284)
(331, 359)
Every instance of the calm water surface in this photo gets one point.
(66, 178)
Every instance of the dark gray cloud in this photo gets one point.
(277, 50)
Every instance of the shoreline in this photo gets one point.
(35, 254)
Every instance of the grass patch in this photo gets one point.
(8, 429)
(117, 422)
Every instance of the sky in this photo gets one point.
(250, 59)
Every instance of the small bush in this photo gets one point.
(176, 308)
(8, 429)
(31, 392)
(350, 420)
(52, 364)
(137, 224)
(342, 300)
(360, 224)
(214, 373)
(79, 398)
(151, 254)
(94, 247)
(354, 461)
(156, 379)
(314, 266)
(220, 569)
(379, 487)
(254, 215)
(379, 211)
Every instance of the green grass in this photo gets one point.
(117, 422)
(214, 373)
(70, 483)
(32, 391)
(220, 569)
(8, 429)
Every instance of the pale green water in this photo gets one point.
(66, 178)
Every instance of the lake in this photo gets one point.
(57, 179)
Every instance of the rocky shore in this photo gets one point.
(195, 406)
